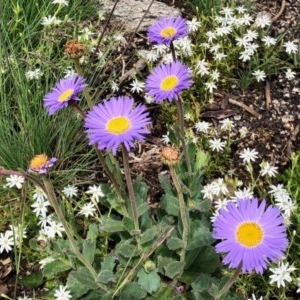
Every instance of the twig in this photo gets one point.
(245, 107)
(268, 94)
(106, 26)
(283, 4)
(240, 104)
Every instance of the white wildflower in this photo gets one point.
(227, 124)
(216, 144)
(14, 181)
(165, 138)
(251, 35)
(202, 126)
(50, 20)
(218, 56)
(249, 155)
(114, 86)
(259, 75)
(87, 209)
(61, 2)
(69, 72)
(290, 47)
(262, 20)
(245, 193)
(269, 41)
(246, 19)
(281, 274)
(215, 75)
(267, 169)
(35, 74)
(62, 293)
(6, 241)
(40, 207)
(39, 194)
(289, 74)
(70, 191)
(193, 25)
(137, 86)
(202, 67)
(53, 229)
(96, 192)
(210, 86)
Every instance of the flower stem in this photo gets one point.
(181, 133)
(55, 205)
(130, 190)
(183, 213)
(230, 282)
(181, 119)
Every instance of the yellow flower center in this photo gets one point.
(249, 234)
(38, 161)
(169, 83)
(168, 32)
(65, 96)
(118, 125)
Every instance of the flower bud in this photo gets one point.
(149, 266)
(74, 49)
(170, 155)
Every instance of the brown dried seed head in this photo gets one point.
(74, 49)
(170, 155)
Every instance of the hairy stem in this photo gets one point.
(181, 134)
(183, 213)
(230, 282)
(130, 189)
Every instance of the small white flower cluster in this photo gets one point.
(50, 21)
(35, 74)
(216, 188)
(184, 47)
(215, 144)
(11, 237)
(283, 201)
(249, 33)
(218, 192)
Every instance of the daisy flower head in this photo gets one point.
(40, 163)
(252, 235)
(116, 121)
(167, 81)
(167, 29)
(63, 92)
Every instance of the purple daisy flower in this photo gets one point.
(40, 163)
(168, 80)
(166, 30)
(251, 234)
(116, 121)
(65, 90)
